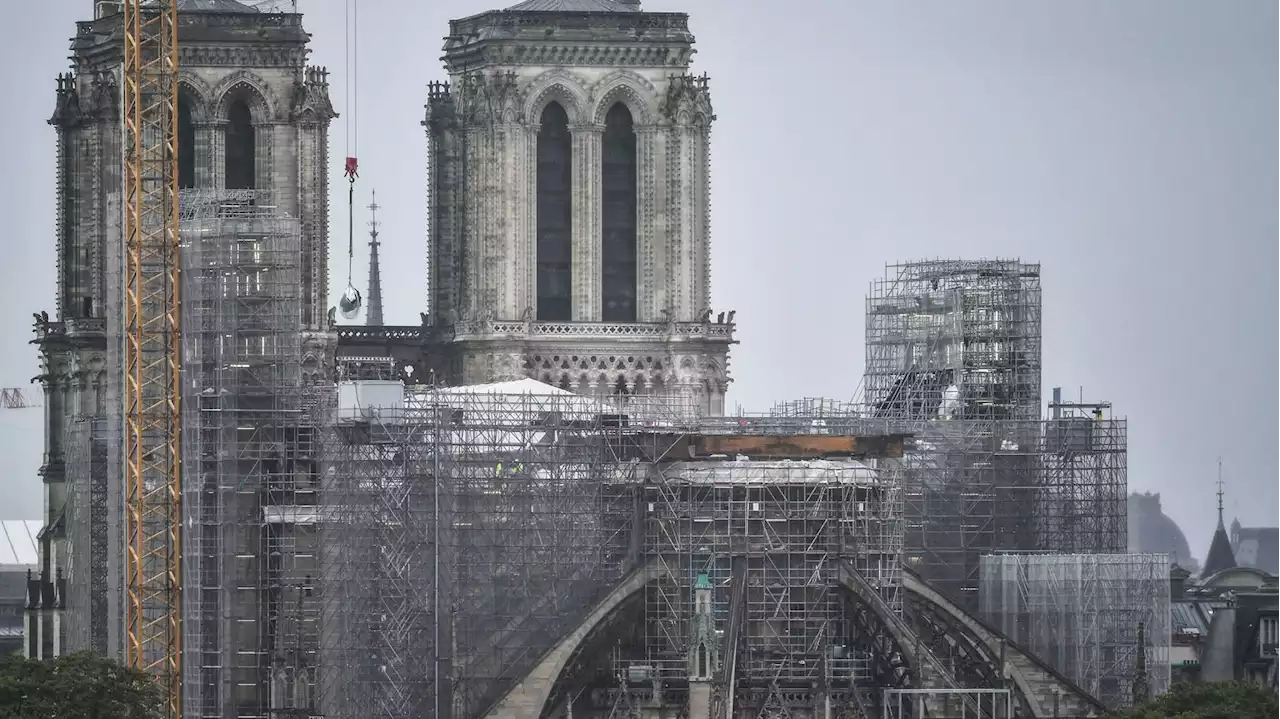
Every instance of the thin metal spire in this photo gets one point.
(373, 314)
(1220, 492)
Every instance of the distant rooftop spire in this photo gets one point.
(373, 315)
(1220, 492)
(1220, 555)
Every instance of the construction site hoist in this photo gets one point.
(351, 301)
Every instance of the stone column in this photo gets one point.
(471, 291)
(526, 199)
(651, 291)
(311, 199)
(217, 154)
(699, 158)
(106, 216)
(586, 222)
(492, 224)
(515, 211)
(205, 133)
(264, 142)
(676, 183)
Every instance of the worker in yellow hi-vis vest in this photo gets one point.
(512, 470)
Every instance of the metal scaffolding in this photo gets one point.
(954, 357)
(1081, 613)
(973, 487)
(246, 453)
(955, 339)
(776, 533)
(970, 489)
(1082, 496)
(378, 569)
(479, 519)
(487, 523)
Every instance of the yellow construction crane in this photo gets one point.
(152, 324)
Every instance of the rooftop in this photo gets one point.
(214, 6)
(575, 6)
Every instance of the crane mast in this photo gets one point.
(152, 356)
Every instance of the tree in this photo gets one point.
(76, 686)
(1208, 700)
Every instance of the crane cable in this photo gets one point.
(351, 301)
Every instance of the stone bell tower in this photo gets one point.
(570, 215)
(253, 124)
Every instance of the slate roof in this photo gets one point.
(1220, 556)
(574, 6)
(1257, 547)
(1193, 614)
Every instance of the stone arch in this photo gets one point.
(248, 86)
(193, 111)
(245, 110)
(626, 87)
(527, 699)
(199, 94)
(557, 85)
(1021, 666)
(688, 369)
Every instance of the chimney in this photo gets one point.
(1178, 582)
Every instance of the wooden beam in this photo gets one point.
(795, 446)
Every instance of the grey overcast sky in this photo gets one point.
(1127, 145)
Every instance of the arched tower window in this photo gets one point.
(186, 143)
(555, 216)
(618, 219)
(240, 147)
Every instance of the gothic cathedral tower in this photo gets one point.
(251, 116)
(570, 224)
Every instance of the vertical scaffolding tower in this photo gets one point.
(955, 339)
(379, 571)
(245, 455)
(953, 357)
(1081, 613)
(1082, 497)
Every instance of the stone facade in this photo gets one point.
(483, 126)
(228, 55)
